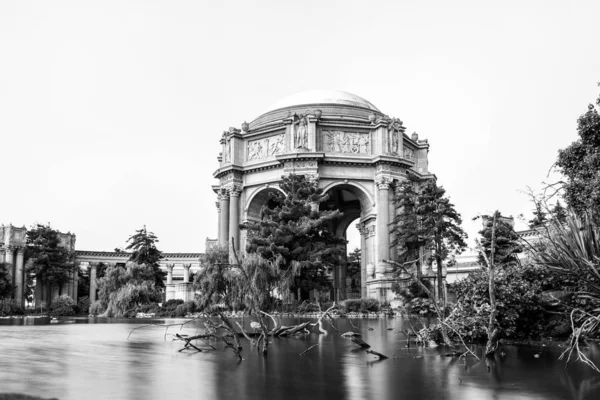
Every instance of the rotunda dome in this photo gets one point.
(331, 97)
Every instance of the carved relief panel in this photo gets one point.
(267, 147)
(346, 142)
(409, 154)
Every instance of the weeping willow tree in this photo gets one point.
(121, 290)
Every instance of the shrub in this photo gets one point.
(63, 305)
(421, 306)
(84, 305)
(10, 307)
(360, 305)
(96, 308)
(171, 305)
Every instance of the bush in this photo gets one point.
(10, 307)
(413, 290)
(422, 307)
(360, 305)
(63, 305)
(171, 305)
(96, 308)
(84, 305)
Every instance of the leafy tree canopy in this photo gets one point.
(51, 262)
(144, 252)
(580, 164)
(507, 242)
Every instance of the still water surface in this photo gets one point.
(92, 359)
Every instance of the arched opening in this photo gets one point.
(348, 278)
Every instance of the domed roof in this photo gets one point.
(322, 97)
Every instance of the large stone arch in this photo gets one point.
(257, 199)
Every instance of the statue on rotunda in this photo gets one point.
(301, 131)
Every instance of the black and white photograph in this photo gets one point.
(261, 199)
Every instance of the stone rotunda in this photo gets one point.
(357, 154)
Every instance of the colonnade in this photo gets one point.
(14, 256)
(229, 215)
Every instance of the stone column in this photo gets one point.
(363, 260)
(10, 261)
(93, 282)
(170, 273)
(75, 282)
(234, 216)
(19, 275)
(186, 273)
(392, 216)
(383, 229)
(224, 218)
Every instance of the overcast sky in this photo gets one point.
(111, 111)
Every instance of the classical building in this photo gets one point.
(358, 155)
(12, 248)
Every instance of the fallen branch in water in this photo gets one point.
(381, 356)
(360, 342)
(304, 352)
(590, 323)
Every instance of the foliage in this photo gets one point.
(144, 252)
(540, 217)
(519, 300)
(421, 306)
(431, 221)
(96, 308)
(122, 289)
(63, 305)
(580, 163)
(10, 307)
(294, 234)
(84, 304)
(558, 213)
(215, 280)
(410, 233)
(572, 250)
(52, 263)
(360, 305)
(6, 287)
(413, 289)
(507, 245)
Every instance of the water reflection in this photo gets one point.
(92, 358)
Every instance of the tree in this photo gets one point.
(431, 221)
(507, 245)
(354, 267)
(539, 217)
(580, 163)
(121, 290)
(408, 228)
(6, 287)
(51, 263)
(144, 252)
(295, 235)
(558, 213)
(214, 280)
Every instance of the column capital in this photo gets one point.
(20, 250)
(187, 266)
(218, 204)
(235, 191)
(223, 194)
(170, 267)
(383, 182)
(361, 228)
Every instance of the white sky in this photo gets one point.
(111, 111)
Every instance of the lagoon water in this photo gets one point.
(81, 358)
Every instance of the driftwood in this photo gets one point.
(381, 356)
(188, 343)
(305, 351)
(351, 334)
(360, 342)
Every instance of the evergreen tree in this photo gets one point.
(52, 263)
(295, 235)
(144, 251)
(539, 217)
(580, 163)
(410, 234)
(354, 266)
(507, 245)
(429, 220)
(559, 213)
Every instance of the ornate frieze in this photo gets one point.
(267, 147)
(346, 142)
(301, 164)
(409, 154)
(390, 168)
